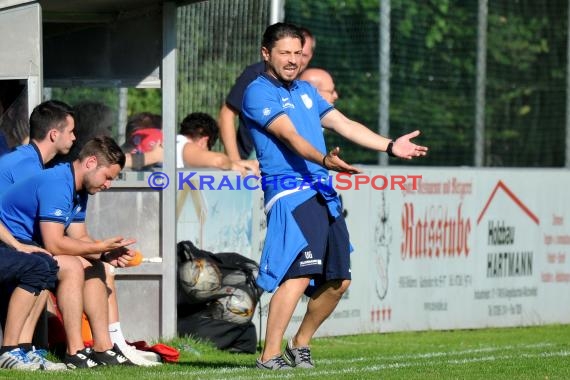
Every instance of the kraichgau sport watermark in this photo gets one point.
(339, 181)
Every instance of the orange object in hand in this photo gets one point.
(136, 260)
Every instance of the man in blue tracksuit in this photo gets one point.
(307, 245)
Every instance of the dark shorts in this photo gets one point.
(327, 254)
(53, 267)
(33, 272)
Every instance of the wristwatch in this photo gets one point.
(389, 149)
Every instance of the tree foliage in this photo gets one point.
(433, 54)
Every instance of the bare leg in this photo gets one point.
(29, 328)
(96, 305)
(20, 306)
(281, 309)
(320, 306)
(69, 295)
(110, 282)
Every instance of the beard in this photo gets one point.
(90, 186)
(286, 74)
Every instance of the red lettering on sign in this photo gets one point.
(437, 234)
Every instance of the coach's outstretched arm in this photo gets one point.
(283, 129)
(359, 134)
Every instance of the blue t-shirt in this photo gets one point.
(266, 99)
(49, 196)
(234, 100)
(23, 162)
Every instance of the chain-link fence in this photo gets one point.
(433, 57)
(216, 41)
(438, 52)
(434, 66)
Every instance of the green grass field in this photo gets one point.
(513, 353)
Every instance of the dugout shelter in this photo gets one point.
(109, 43)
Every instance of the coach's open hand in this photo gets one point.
(404, 148)
(332, 161)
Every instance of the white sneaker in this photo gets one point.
(136, 358)
(17, 359)
(39, 357)
(149, 355)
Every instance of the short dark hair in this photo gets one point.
(142, 120)
(278, 31)
(48, 115)
(307, 33)
(199, 124)
(107, 151)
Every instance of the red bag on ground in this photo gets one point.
(167, 353)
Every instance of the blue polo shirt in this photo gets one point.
(265, 100)
(49, 196)
(23, 162)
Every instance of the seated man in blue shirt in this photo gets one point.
(53, 133)
(53, 215)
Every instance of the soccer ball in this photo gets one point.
(236, 306)
(200, 279)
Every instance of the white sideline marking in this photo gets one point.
(377, 368)
(233, 371)
(436, 354)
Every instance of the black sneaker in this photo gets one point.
(82, 359)
(299, 356)
(113, 356)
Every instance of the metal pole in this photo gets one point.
(481, 84)
(276, 12)
(122, 117)
(384, 69)
(168, 325)
(567, 150)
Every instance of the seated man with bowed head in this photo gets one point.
(52, 215)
